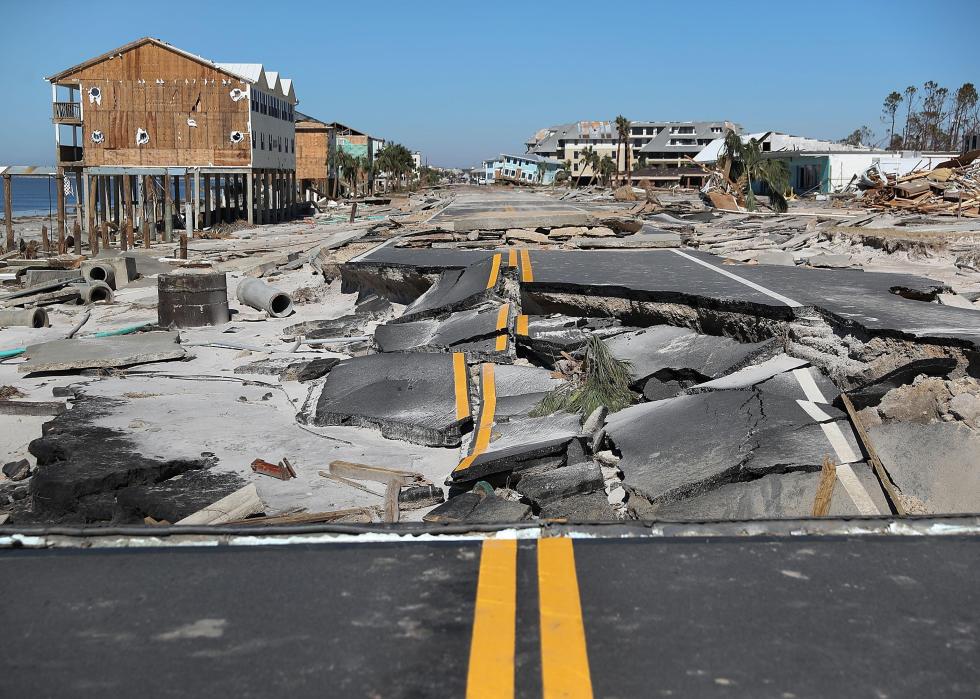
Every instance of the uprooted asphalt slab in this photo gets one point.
(737, 378)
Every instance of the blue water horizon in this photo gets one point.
(35, 196)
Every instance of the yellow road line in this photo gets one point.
(522, 324)
(527, 274)
(489, 407)
(512, 257)
(494, 271)
(501, 344)
(459, 379)
(491, 669)
(502, 316)
(564, 658)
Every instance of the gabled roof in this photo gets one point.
(252, 72)
(136, 44)
(344, 127)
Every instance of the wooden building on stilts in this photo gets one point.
(146, 129)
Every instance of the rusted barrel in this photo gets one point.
(192, 300)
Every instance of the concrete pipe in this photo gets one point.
(262, 297)
(101, 273)
(93, 292)
(30, 317)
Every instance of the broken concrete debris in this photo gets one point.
(102, 352)
(411, 396)
(736, 369)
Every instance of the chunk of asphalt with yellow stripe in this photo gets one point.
(414, 396)
(457, 289)
(565, 671)
(476, 330)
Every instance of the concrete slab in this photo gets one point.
(457, 290)
(550, 485)
(410, 396)
(523, 443)
(102, 352)
(751, 375)
(521, 388)
(936, 466)
(670, 352)
(681, 447)
(432, 335)
(585, 507)
(777, 495)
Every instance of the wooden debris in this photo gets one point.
(825, 489)
(362, 515)
(237, 506)
(283, 470)
(891, 492)
(394, 480)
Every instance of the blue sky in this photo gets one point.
(461, 81)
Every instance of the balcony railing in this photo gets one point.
(67, 111)
(69, 154)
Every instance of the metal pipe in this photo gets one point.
(262, 297)
(30, 317)
(94, 292)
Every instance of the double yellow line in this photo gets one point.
(564, 657)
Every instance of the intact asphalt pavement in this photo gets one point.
(748, 617)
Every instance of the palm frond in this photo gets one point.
(606, 381)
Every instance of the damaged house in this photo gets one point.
(147, 126)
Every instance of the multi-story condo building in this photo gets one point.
(654, 146)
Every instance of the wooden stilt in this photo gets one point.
(168, 208)
(250, 198)
(207, 201)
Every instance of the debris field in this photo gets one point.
(464, 356)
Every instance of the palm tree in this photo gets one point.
(623, 130)
(744, 164)
(590, 159)
(607, 168)
(346, 168)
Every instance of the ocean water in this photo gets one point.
(35, 196)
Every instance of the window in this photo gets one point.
(715, 129)
(262, 141)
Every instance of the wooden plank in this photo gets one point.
(825, 489)
(237, 506)
(31, 407)
(360, 515)
(377, 474)
(891, 492)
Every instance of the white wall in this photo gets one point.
(271, 131)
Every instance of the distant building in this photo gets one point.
(142, 122)
(526, 169)
(818, 166)
(655, 147)
(417, 160)
(314, 143)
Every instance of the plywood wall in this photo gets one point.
(132, 98)
(312, 152)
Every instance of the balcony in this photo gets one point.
(67, 112)
(69, 155)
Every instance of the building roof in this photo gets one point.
(249, 72)
(300, 116)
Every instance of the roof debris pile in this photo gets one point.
(952, 189)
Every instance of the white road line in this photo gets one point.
(835, 436)
(809, 386)
(768, 292)
(358, 258)
(814, 411)
(856, 490)
(845, 454)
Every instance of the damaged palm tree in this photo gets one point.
(599, 380)
(743, 164)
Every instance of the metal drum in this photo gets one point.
(192, 300)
